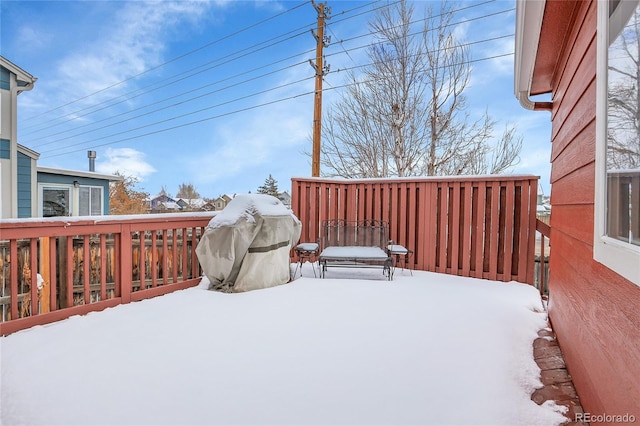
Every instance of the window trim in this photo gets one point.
(621, 257)
(43, 186)
(101, 198)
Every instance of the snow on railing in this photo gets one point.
(87, 264)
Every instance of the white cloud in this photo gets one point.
(127, 161)
(134, 44)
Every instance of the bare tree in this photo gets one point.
(187, 191)
(623, 117)
(406, 115)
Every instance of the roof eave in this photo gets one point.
(529, 15)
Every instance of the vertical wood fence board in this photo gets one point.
(393, 210)
(455, 227)
(174, 257)
(116, 266)
(443, 219)
(184, 239)
(125, 262)
(350, 205)
(495, 230)
(142, 236)
(165, 258)
(509, 224)
(103, 266)
(467, 229)
(501, 240)
(155, 258)
(533, 201)
(429, 246)
(405, 211)
(481, 234)
(517, 230)
(361, 201)
(33, 267)
(13, 268)
(86, 269)
(414, 228)
(194, 258)
(44, 262)
(53, 281)
(69, 269)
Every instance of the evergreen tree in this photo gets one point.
(270, 187)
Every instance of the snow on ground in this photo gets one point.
(427, 349)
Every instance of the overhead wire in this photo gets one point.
(173, 59)
(76, 116)
(227, 102)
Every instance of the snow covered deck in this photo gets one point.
(431, 349)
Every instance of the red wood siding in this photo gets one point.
(594, 311)
(481, 227)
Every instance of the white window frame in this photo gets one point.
(74, 197)
(41, 188)
(621, 257)
(90, 187)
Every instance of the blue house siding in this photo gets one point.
(44, 178)
(5, 148)
(24, 185)
(5, 82)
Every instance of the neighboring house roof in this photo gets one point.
(195, 203)
(28, 152)
(170, 205)
(24, 79)
(80, 173)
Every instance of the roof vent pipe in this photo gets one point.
(92, 160)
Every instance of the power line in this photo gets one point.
(231, 101)
(173, 59)
(90, 144)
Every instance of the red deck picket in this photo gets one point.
(91, 263)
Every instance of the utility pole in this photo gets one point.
(322, 41)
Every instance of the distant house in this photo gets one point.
(194, 204)
(574, 51)
(72, 192)
(27, 190)
(163, 203)
(222, 201)
(285, 197)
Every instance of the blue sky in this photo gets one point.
(217, 94)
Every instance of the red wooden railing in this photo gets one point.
(477, 226)
(89, 265)
(541, 280)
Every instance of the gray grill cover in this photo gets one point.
(247, 245)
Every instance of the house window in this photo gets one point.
(617, 209)
(56, 201)
(90, 201)
(63, 200)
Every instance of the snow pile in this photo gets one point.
(427, 349)
(246, 206)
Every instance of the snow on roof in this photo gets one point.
(246, 206)
(193, 202)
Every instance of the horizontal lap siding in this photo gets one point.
(593, 310)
